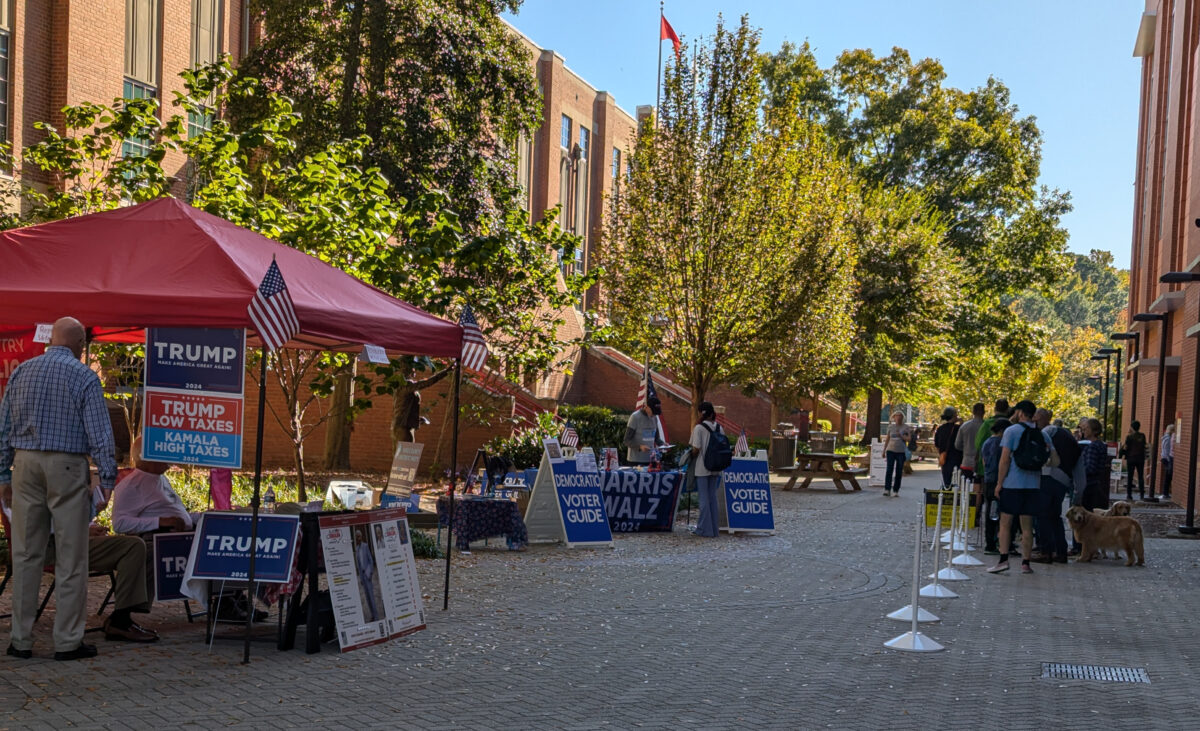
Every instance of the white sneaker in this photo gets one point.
(887, 493)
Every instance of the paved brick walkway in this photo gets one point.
(670, 630)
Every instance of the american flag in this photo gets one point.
(570, 437)
(645, 388)
(474, 347)
(743, 446)
(271, 311)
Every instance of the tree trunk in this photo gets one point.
(697, 397)
(843, 425)
(774, 418)
(298, 457)
(351, 66)
(337, 432)
(874, 416)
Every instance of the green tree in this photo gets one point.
(721, 233)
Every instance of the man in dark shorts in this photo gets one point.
(1018, 489)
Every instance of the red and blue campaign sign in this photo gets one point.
(192, 428)
(581, 504)
(748, 495)
(196, 359)
(221, 549)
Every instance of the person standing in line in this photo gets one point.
(989, 459)
(1166, 451)
(1134, 452)
(1056, 481)
(965, 442)
(895, 447)
(944, 439)
(1001, 411)
(707, 481)
(641, 432)
(52, 418)
(1024, 450)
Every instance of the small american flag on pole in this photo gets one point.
(474, 347)
(645, 388)
(570, 437)
(743, 446)
(271, 311)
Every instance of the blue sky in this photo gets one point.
(1067, 62)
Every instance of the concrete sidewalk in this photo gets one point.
(669, 630)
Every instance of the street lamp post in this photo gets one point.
(1104, 400)
(1134, 354)
(1099, 390)
(1116, 401)
(1189, 526)
(1162, 378)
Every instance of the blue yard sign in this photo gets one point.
(171, 551)
(748, 496)
(581, 504)
(196, 359)
(641, 501)
(221, 549)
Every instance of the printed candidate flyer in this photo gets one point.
(372, 577)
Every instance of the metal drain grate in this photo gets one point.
(1063, 671)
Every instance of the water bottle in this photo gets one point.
(268, 504)
(994, 513)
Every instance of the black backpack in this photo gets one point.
(1032, 452)
(1067, 448)
(718, 455)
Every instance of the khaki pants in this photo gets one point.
(50, 486)
(126, 556)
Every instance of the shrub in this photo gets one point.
(524, 448)
(598, 426)
(824, 425)
(424, 545)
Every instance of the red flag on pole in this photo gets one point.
(668, 32)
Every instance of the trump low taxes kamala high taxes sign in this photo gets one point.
(194, 383)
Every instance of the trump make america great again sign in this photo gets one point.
(194, 383)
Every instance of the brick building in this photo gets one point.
(1165, 237)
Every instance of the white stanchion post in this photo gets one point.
(914, 640)
(964, 558)
(936, 589)
(950, 573)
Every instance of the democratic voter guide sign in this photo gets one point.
(221, 549)
(567, 504)
(748, 496)
(194, 408)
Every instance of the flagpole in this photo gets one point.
(453, 481)
(258, 448)
(658, 76)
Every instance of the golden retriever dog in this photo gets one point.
(1120, 507)
(1098, 532)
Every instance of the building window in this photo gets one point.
(198, 124)
(525, 170)
(206, 32)
(5, 58)
(616, 164)
(141, 41)
(584, 138)
(245, 45)
(566, 132)
(139, 143)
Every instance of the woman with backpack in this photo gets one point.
(710, 448)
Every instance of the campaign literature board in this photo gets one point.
(171, 552)
(949, 497)
(878, 464)
(372, 577)
(195, 381)
(567, 505)
(404, 469)
(639, 501)
(747, 506)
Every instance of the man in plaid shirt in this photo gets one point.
(52, 417)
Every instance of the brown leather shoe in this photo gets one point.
(1042, 558)
(147, 630)
(132, 633)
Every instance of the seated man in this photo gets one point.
(126, 557)
(144, 503)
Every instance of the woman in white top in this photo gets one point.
(895, 448)
(706, 482)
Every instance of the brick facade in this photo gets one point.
(1164, 238)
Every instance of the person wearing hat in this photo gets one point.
(641, 432)
(944, 438)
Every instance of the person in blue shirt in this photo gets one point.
(990, 453)
(1018, 489)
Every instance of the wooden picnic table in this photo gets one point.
(824, 466)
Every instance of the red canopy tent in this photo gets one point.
(166, 264)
